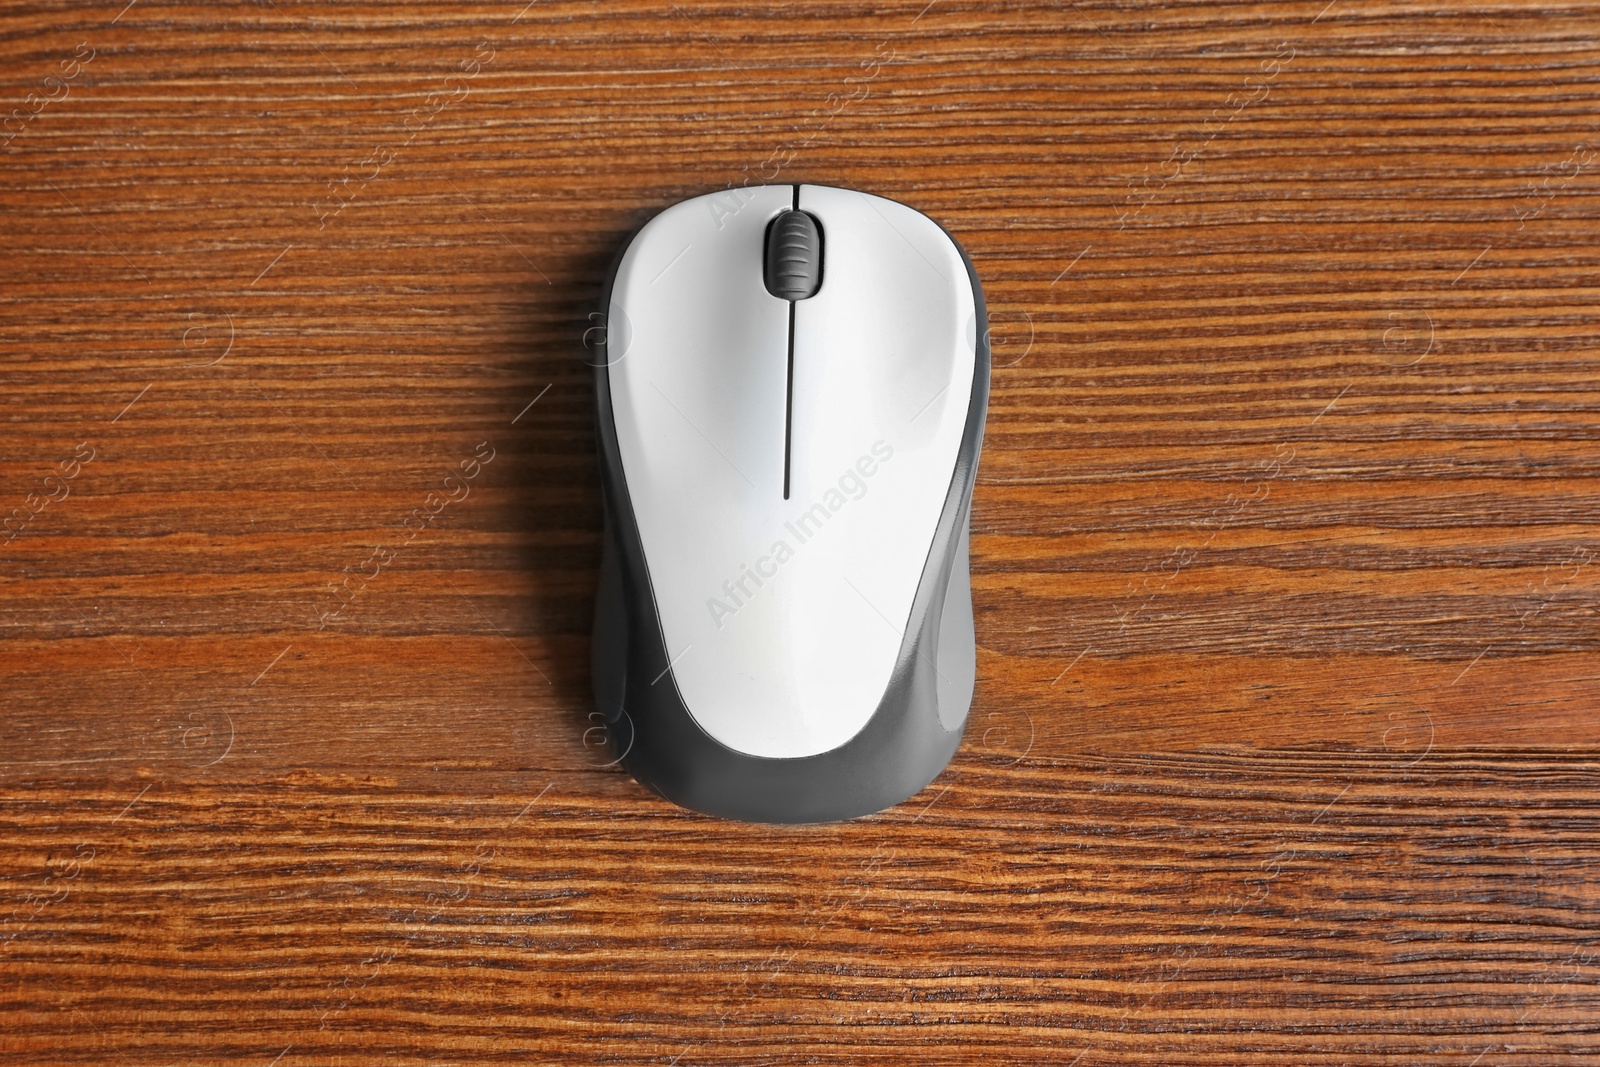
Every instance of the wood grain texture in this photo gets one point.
(1284, 544)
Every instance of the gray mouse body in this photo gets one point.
(790, 405)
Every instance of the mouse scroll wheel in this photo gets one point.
(794, 256)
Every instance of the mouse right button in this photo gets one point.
(884, 358)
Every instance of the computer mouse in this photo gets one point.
(791, 389)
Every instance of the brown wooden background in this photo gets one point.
(1285, 747)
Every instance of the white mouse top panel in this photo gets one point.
(784, 617)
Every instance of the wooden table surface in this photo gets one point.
(1285, 746)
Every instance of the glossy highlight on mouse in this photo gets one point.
(790, 404)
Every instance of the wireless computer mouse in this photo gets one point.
(791, 395)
